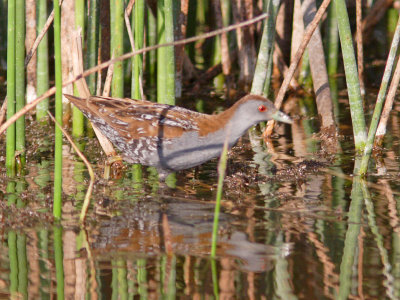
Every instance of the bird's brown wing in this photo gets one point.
(134, 119)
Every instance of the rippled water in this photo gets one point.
(295, 225)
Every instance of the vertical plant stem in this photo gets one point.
(42, 63)
(151, 55)
(138, 59)
(295, 61)
(58, 259)
(353, 84)
(137, 68)
(360, 52)
(13, 258)
(333, 54)
(59, 111)
(92, 44)
(20, 79)
(169, 53)
(161, 63)
(221, 176)
(350, 242)
(216, 50)
(380, 100)
(264, 53)
(10, 148)
(272, 22)
(117, 43)
(78, 120)
(333, 42)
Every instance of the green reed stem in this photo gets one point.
(221, 175)
(137, 71)
(59, 112)
(169, 52)
(333, 42)
(22, 266)
(92, 44)
(263, 67)
(214, 274)
(86, 201)
(117, 44)
(352, 80)
(13, 258)
(166, 58)
(379, 238)
(10, 148)
(351, 239)
(151, 55)
(42, 71)
(380, 100)
(78, 120)
(58, 258)
(161, 63)
(20, 79)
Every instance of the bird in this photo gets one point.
(172, 138)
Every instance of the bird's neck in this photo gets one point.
(233, 123)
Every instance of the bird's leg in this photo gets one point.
(109, 161)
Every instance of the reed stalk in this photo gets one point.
(137, 70)
(165, 55)
(92, 44)
(151, 62)
(58, 259)
(380, 101)
(350, 242)
(169, 52)
(13, 260)
(10, 140)
(333, 58)
(333, 42)
(117, 44)
(42, 63)
(352, 80)
(221, 175)
(20, 80)
(263, 66)
(78, 120)
(161, 63)
(58, 113)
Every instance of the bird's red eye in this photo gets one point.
(262, 108)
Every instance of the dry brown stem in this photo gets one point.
(295, 61)
(40, 37)
(83, 89)
(381, 131)
(3, 111)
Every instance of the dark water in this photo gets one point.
(294, 225)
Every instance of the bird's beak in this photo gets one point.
(281, 117)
